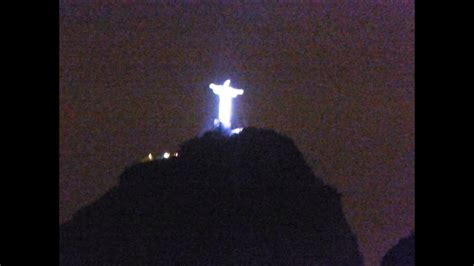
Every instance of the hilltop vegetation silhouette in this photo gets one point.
(402, 254)
(245, 199)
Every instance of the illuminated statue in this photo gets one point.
(225, 93)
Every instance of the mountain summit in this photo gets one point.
(248, 198)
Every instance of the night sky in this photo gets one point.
(335, 76)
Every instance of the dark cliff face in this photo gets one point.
(245, 199)
(402, 254)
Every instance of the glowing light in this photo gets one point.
(175, 154)
(150, 157)
(225, 93)
(166, 155)
(236, 131)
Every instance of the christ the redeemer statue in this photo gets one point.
(226, 93)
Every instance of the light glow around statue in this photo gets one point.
(226, 93)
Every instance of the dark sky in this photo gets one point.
(335, 76)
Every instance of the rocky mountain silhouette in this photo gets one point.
(248, 198)
(402, 254)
